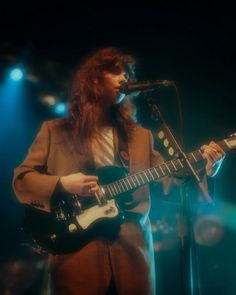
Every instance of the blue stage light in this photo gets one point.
(60, 108)
(16, 74)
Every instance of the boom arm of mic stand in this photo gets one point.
(182, 155)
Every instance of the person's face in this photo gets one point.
(112, 84)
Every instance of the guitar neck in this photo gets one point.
(136, 180)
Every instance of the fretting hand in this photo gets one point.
(214, 155)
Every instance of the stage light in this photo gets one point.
(49, 100)
(208, 230)
(16, 74)
(60, 108)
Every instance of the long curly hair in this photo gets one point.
(85, 101)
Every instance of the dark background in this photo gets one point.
(192, 43)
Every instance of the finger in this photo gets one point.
(90, 178)
(208, 157)
(216, 147)
(210, 154)
(203, 147)
(94, 189)
(215, 154)
(206, 149)
(87, 192)
(90, 189)
(90, 185)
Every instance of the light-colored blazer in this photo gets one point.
(129, 259)
(52, 155)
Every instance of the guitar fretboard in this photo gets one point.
(136, 180)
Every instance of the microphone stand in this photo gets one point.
(190, 283)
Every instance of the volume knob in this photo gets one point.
(72, 228)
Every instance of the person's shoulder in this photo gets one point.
(56, 127)
(58, 123)
(141, 130)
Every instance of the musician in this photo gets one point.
(99, 131)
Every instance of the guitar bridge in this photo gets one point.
(109, 211)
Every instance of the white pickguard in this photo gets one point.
(109, 210)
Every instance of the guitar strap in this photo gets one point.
(122, 156)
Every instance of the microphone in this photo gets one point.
(144, 85)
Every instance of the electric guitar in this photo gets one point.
(74, 219)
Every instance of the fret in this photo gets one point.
(192, 154)
(146, 176)
(181, 165)
(149, 171)
(109, 190)
(177, 164)
(165, 169)
(198, 154)
(134, 184)
(129, 182)
(162, 171)
(123, 188)
(155, 170)
(195, 156)
(166, 165)
(135, 175)
(125, 184)
(140, 175)
(118, 187)
(173, 164)
(115, 189)
(113, 192)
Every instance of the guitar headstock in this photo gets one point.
(231, 141)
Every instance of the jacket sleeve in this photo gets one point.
(31, 183)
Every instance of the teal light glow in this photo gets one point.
(60, 108)
(16, 74)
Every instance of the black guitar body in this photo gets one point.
(50, 230)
